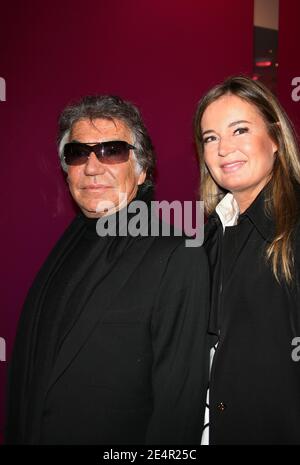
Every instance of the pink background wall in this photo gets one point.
(162, 55)
(289, 56)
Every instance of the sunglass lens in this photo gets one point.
(76, 154)
(115, 152)
(107, 152)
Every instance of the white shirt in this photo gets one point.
(228, 212)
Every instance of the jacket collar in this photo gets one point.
(261, 219)
(256, 213)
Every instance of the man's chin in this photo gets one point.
(96, 208)
(97, 211)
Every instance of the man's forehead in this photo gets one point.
(100, 125)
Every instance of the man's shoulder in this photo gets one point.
(179, 251)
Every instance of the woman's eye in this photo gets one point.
(209, 139)
(241, 131)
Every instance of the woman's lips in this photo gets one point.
(231, 167)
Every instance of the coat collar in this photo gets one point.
(259, 217)
(256, 213)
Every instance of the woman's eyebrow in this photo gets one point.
(238, 122)
(229, 125)
(208, 130)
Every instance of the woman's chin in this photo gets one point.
(234, 187)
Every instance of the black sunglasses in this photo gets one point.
(115, 151)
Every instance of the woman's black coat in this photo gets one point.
(255, 380)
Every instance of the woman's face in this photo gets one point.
(238, 150)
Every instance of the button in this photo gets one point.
(221, 407)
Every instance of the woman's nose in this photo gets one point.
(225, 146)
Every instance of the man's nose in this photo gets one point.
(93, 165)
(226, 146)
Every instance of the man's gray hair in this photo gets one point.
(112, 108)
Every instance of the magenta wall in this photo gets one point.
(289, 57)
(162, 55)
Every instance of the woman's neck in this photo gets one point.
(245, 198)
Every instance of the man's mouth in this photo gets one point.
(96, 186)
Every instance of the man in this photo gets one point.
(111, 345)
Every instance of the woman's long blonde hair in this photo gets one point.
(281, 201)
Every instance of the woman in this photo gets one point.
(250, 176)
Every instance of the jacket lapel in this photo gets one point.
(233, 245)
(97, 300)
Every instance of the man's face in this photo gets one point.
(98, 188)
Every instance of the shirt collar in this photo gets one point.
(228, 211)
